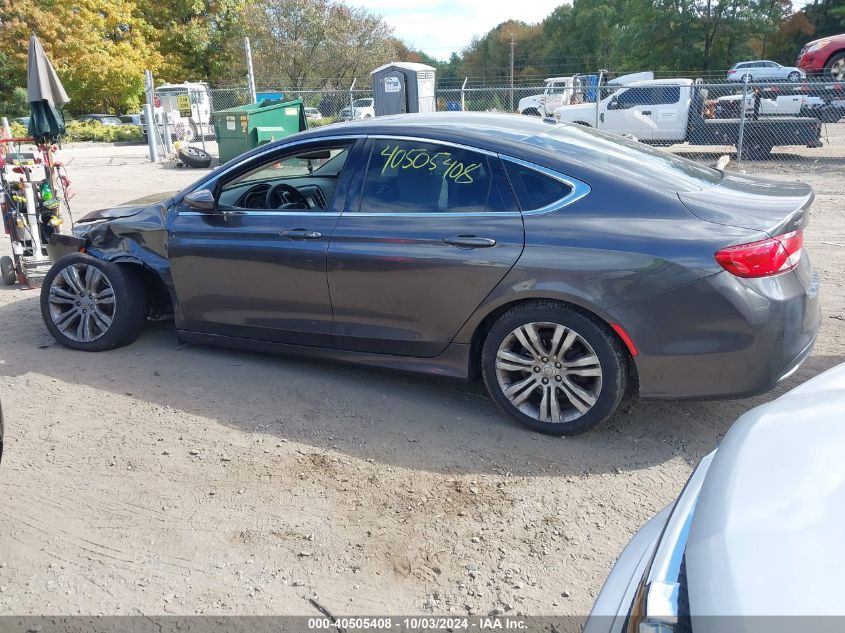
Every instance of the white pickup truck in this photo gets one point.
(774, 104)
(558, 91)
(669, 111)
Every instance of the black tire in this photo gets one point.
(612, 359)
(794, 76)
(747, 78)
(835, 67)
(757, 150)
(195, 157)
(7, 270)
(130, 304)
(531, 112)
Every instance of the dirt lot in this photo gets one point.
(165, 478)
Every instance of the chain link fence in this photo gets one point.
(800, 123)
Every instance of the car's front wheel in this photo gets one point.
(93, 305)
(554, 368)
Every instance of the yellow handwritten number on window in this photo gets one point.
(419, 158)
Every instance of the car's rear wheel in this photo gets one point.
(554, 368)
(92, 305)
(835, 67)
(794, 76)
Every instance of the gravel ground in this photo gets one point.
(164, 478)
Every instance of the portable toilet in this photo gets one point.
(401, 87)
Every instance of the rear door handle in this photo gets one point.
(469, 241)
(301, 234)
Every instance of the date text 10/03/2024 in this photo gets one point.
(419, 623)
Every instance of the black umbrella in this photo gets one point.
(46, 96)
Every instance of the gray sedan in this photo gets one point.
(764, 70)
(757, 531)
(566, 268)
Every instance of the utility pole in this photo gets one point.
(250, 75)
(513, 45)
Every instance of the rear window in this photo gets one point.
(624, 158)
(533, 189)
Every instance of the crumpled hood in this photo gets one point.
(127, 209)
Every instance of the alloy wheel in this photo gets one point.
(837, 70)
(548, 372)
(82, 302)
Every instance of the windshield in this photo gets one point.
(624, 158)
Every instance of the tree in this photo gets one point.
(316, 43)
(99, 48)
(198, 39)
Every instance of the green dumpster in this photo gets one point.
(246, 127)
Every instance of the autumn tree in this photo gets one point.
(99, 48)
(198, 39)
(315, 43)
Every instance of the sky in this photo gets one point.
(440, 27)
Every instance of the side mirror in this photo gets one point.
(201, 200)
(614, 105)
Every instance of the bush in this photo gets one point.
(99, 133)
(18, 129)
(326, 120)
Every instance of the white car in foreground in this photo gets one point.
(757, 531)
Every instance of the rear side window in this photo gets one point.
(534, 190)
(666, 94)
(414, 177)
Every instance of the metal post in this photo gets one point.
(598, 103)
(168, 142)
(151, 132)
(202, 126)
(32, 218)
(149, 116)
(513, 44)
(463, 90)
(250, 75)
(351, 109)
(741, 122)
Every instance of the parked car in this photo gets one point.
(764, 70)
(769, 103)
(757, 530)
(131, 119)
(566, 267)
(361, 109)
(105, 119)
(313, 113)
(23, 120)
(824, 57)
(669, 111)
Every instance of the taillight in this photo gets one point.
(775, 255)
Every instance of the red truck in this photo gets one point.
(824, 57)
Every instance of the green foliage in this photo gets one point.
(97, 132)
(18, 129)
(14, 103)
(326, 120)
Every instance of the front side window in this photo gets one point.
(416, 177)
(634, 97)
(304, 179)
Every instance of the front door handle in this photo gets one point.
(601, 117)
(301, 234)
(648, 112)
(469, 241)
